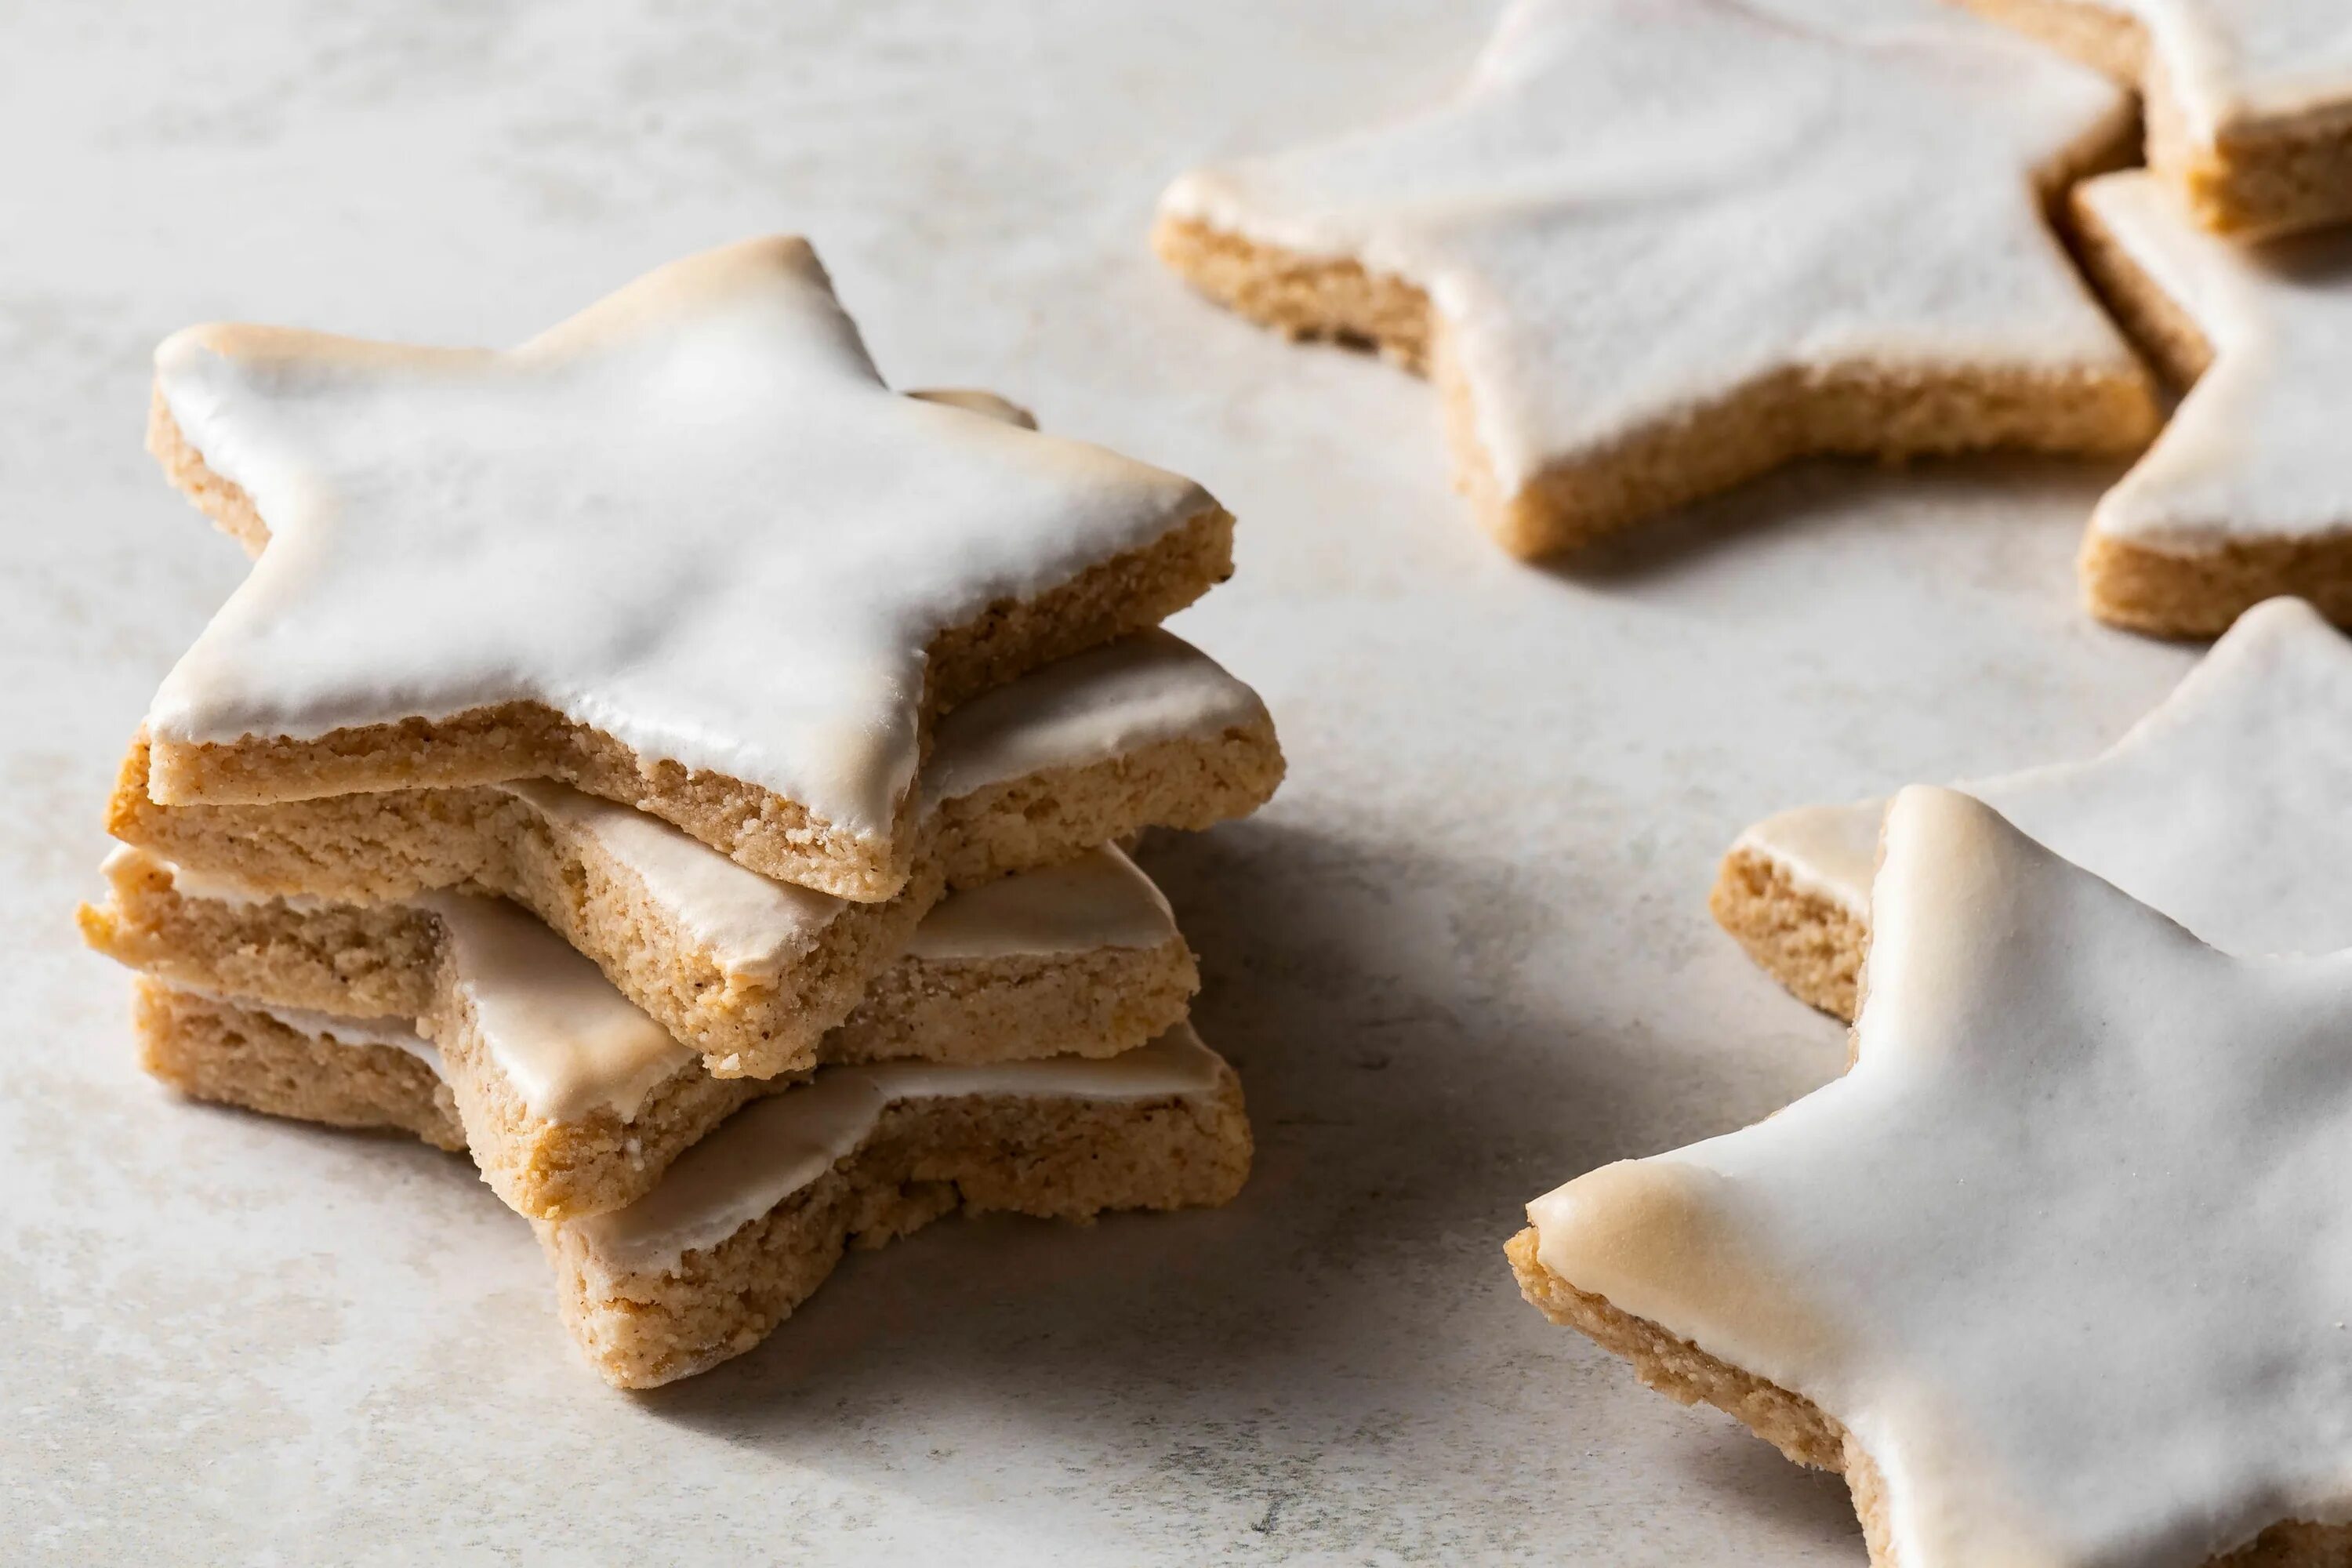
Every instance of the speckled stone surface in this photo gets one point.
(1465, 956)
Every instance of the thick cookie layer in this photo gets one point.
(572, 1100)
(1144, 732)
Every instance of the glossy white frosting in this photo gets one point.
(2067, 1249)
(566, 1042)
(2232, 61)
(2224, 807)
(1103, 901)
(773, 1148)
(691, 517)
(2257, 447)
(1636, 207)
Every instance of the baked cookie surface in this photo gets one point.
(2249, 102)
(1653, 247)
(686, 550)
(2056, 1272)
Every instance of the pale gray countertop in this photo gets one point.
(1465, 956)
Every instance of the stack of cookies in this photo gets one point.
(667, 765)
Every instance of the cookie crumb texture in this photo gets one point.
(215, 1050)
(1808, 943)
(394, 965)
(923, 1160)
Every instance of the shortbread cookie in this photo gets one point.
(2223, 807)
(2248, 493)
(1643, 262)
(2056, 1273)
(685, 551)
(753, 1220)
(573, 1101)
(1144, 732)
(2249, 102)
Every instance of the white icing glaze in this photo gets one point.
(2228, 61)
(752, 925)
(2257, 447)
(2067, 1250)
(1103, 901)
(1827, 850)
(691, 517)
(568, 1043)
(1120, 698)
(777, 1146)
(1116, 700)
(1633, 207)
(2224, 807)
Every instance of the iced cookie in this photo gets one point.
(1146, 731)
(2249, 102)
(685, 551)
(2248, 492)
(2223, 807)
(751, 1222)
(572, 1099)
(2056, 1274)
(1654, 248)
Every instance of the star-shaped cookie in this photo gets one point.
(685, 549)
(2223, 807)
(1654, 248)
(2248, 492)
(2059, 1273)
(2249, 102)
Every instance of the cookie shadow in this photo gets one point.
(1303, 1354)
(1828, 494)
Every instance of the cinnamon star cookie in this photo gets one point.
(686, 550)
(2059, 1273)
(1654, 248)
